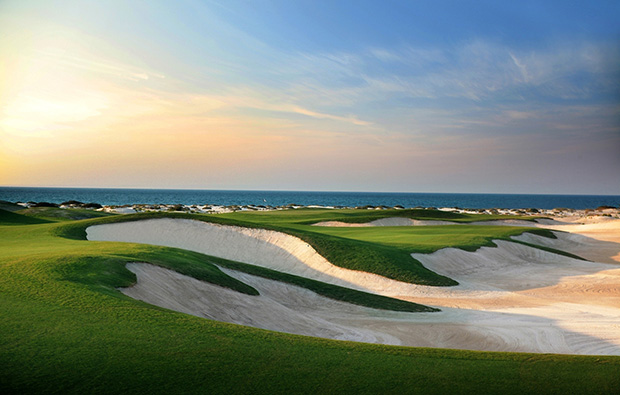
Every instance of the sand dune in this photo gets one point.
(510, 298)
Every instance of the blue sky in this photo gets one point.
(445, 96)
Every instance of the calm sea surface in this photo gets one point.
(279, 198)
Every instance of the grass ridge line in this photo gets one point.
(77, 230)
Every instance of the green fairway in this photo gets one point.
(67, 329)
(382, 250)
(427, 239)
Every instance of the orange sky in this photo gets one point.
(86, 100)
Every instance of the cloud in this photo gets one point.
(411, 112)
(477, 70)
(287, 108)
(90, 63)
(270, 100)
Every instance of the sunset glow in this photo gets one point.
(310, 96)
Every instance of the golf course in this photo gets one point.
(309, 197)
(306, 301)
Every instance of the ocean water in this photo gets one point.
(280, 198)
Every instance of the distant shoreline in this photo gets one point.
(122, 197)
(602, 211)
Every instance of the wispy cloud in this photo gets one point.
(478, 70)
(91, 64)
(231, 106)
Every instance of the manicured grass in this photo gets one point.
(385, 250)
(73, 340)
(352, 254)
(75, 231)
(37, 241)
(66, 329)
(381, 250)
(428, 239)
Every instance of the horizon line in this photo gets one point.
(309, 191)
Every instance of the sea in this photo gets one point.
(116, 196)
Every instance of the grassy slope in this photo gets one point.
(203, 267)
(349, 248)
(428, 239)
(36, 242)
(386, 250)
(348, 253)
(11, 218)
(59, 214)
(76, 231)
(67, 330)
(9, 206)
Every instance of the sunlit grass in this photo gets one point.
(67, 329)
(381, 250)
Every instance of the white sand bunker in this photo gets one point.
(400, 221)
(511, 298)
(280, 307)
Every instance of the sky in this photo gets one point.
(386, 96)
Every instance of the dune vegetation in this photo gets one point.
(67, 329)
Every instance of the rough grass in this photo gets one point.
(66, 329)
(9, 206)
(307, 216)
(56, 214)
(12, 218)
